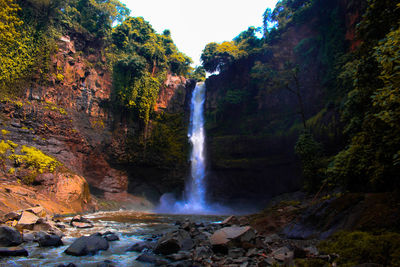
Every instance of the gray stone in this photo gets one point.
(9, 236)
(48, 240)
(173, 242)
(87, 245)
(13, 251)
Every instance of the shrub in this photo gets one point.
(356, 248)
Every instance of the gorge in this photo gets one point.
(296, 122)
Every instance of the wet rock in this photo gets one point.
(149, 258)
(87, 245)
(27, 220)
(231, 220)
(110, 236)
(47, 226)
(173, 242)
(140, 246)
(48, 240)
(82, 225)
(28, 236)
(81, 222)
(9, 236)
(13, 251)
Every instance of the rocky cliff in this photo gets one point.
(69, 117)
(253, 124)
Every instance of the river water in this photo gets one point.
(130, 226)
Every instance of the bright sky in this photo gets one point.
(195, 23)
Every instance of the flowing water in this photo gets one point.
(195, 192)
(130, 226)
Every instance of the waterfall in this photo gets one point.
(195, 188)
(194, 201)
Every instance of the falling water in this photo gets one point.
(195, 189)
(195, 192)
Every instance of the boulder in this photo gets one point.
(173, 242)
(47, 226)
(27, 220)
(49, 240)
(9, 236)
(87, 245)
(38, 211)
(80, 222)
(140, 246)
(229, 236)
(13, 251)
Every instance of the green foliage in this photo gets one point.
(371, 113)
(140, 63)
(168, 141)
(35, 160)
(217, 57)
(198, 74)
(310, 154)
(356, 248)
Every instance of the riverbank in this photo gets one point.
(294, 230)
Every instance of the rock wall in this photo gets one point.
(250, 144)
(69, 115)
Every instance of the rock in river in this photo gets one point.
(13, 251)
(9, 236)
(87, 245)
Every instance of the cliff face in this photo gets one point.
(251, 141)
(70, 117)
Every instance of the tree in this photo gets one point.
(217, 57)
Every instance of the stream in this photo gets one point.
(130, 226)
